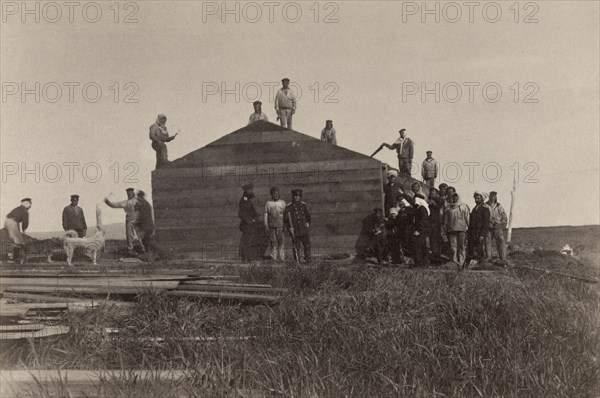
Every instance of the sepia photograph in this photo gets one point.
(320, 199)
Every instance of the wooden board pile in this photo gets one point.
(31, 303)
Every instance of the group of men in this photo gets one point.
(278, 217)
(434, 228)
(139, 222)
(285, 107)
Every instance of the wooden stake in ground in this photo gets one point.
(512, 204)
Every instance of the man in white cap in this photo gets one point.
(159, 136)
(404, 146)
(285, 104)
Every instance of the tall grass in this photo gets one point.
(354, 332)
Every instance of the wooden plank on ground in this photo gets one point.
(229, 288)
(224, 296)
(80, 383)
(47, 331)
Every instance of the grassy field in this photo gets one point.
(350, 330)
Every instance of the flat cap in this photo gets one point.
(285, 79)
(257, 103)
(296, 192)
(74, 196)
(26, 200)
(129, 189)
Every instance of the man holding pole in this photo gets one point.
(404, 146)
(498, 220)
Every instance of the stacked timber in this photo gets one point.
(196, 197)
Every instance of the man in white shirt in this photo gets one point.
(328, 134)
(273, 220)
(285, 104)
(404, 146)
(258, 113)
(130, 216)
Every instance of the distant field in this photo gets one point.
(554, 238)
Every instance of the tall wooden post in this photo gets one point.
(512, 205)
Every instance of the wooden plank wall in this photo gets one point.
(195, 206)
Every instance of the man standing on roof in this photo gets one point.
(404, 146)
(258, 113)
(130, 216)
(285, 104)
(159, 136)
(429, 170)
(328, 133)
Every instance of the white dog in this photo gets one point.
(92, 244)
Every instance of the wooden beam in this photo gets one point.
(224, 296)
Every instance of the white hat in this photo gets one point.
(394, 210)
(392, 173)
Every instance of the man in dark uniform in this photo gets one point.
(73, 217)
(297, 210)
(251, 228)
(390, 192)
(144, 225)
(421, 229)
(479, 224)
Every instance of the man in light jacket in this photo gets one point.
(159, 135)
(429, 170)
(456, 224)
(498, 220)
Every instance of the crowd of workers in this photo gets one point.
(439, 228)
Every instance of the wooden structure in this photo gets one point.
(196, 197)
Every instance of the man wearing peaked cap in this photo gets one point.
(73, 217)
(297, 220)
(130, 216)
(18, 215)
(285, 104)
(258, 113)
(253, 239)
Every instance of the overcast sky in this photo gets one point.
(362, 64)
